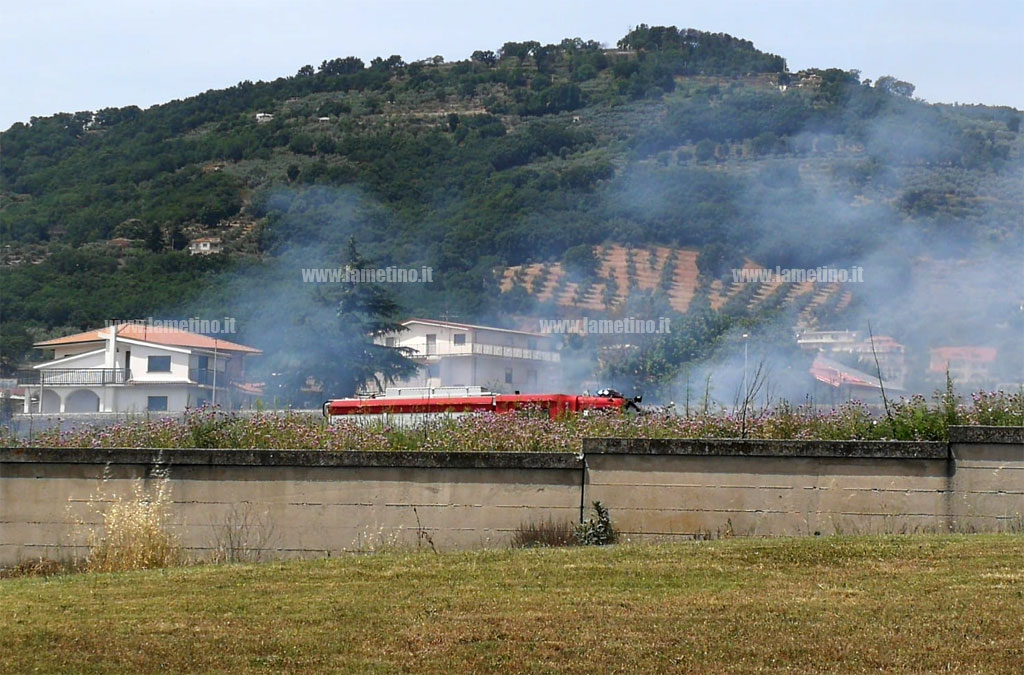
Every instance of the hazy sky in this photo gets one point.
(62, 56)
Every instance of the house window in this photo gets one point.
(156, 403)
(160, 364)
(204, 363)
(460, 338)
(434, 370)
(508, 376)
(431, 344)
(389, 342)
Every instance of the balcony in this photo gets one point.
(483, 349)
(74, 377)
(206, 377)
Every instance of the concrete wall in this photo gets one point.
(297, 503)
(988, 485)
(312, 503)
(701, 488)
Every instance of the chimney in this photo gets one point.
(110, 358)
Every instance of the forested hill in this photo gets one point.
(673, 137)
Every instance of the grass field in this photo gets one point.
(850, 604)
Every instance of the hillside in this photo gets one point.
(687, 144)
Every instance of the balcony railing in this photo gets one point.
(515, 352)
(74, 377)
(205, 376)
(494, 350)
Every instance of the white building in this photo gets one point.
(497, 359)
(137, 368)
(827, 339)
(205, 246)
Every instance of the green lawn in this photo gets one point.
(914, 603)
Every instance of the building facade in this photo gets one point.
(136, 368)
(497, 359)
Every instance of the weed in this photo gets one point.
(242, 536)
(378, 540)
(546, 533)
(598, 531)
(130, 533)
(40, 567)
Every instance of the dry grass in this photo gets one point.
(130, 533)
(911, 604)
(545, 533)
(39, 567)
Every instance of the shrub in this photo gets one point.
(598, 531)
(133, 532)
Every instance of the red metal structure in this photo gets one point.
(426, 402)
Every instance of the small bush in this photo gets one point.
(546, 533)
(598, 531)
(133, 532)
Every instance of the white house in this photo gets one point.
(205, 246)
(497, 359)
(134, 368)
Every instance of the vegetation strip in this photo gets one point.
(914, 419)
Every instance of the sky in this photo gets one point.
(62, 56)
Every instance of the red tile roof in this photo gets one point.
(171, 337)
(942, 356)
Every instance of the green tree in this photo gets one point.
(332, 341)
(891, 85)
(486, 57)
(154, 238)
(705, 150)
(15, 343)
(178, 240)
(346, 66)
(580, 260)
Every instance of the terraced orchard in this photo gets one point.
(622, 271)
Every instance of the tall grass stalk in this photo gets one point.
(130, 532)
